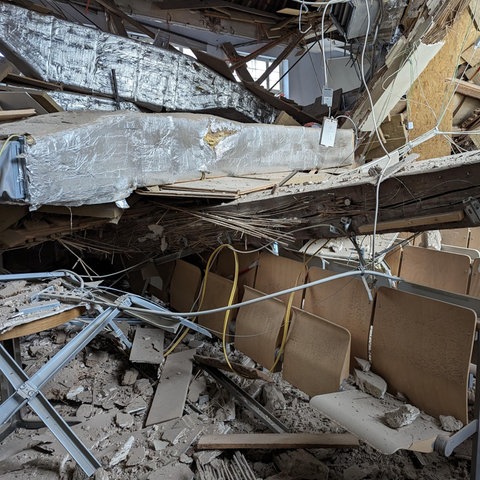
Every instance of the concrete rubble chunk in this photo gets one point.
(450, 424)
(172, 472)
(143, 387)
(130, 377)
(101, 474)
(365, 365)
(135, 457)
(136, 405)
(124, 420)
(370, 383)
(403, 416)
(159, 445)
(301, 464)
(123, 452)
(73, 392)
(273, 398)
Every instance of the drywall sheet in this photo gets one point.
(258, 328)
(456, 236)
(171, 393)
(317, 354)
(83, 58)
(102, 157)
(362, 415)
(147, 346)
(279, 273)
(217, 294)
(436, 269)
(474, 288)
(422, 348)
(344, 302)
(184, 286)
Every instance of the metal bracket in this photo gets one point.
(472, 210)
(27, 390)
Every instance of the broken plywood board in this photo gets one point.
(9, 115)
(344, 302)
(220, 187)
(36, 100)
(184, 286)
(276, 273)
(394, 134)
(422, 348)
(362, 415)
(269, 441)
(393, 259)
(474, 288)
(147, 346)
(436, 269)
(474, 240)
(217, 294)
(258, 328)
(317, 354)
(171, 392)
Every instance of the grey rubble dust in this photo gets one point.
(127, 450)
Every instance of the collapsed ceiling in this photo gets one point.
(282, 182)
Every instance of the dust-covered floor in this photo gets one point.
(109, 398)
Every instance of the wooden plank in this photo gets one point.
(344, 302)
(279, 273)
(422, 348)
(10, 214)
(184, 286)
(474, 287)
(42, 324)
(273, 441)
(436, 269)
(215, 63)
(217, 294)
(238, 368)
(147, 346)
(317, 355)
(171, 393)
(7, 115)
(258, 328)
(465, 88)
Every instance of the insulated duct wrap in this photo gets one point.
(83, 158)
(83, 58)
(71, 102)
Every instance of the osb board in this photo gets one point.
(456, 236)
(247, 266)
(422, 348)
(362, 415)
(279, 273)
(474, 241)
(184, 286)
(171, 393)
(429, 95)
(258, 328)
(474, 288)
(436, 269)
(217, 294)
(344, 302)
(317, 354)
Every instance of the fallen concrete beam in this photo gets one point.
(102, 157)
(84, 59)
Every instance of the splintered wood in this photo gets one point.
(422, 348)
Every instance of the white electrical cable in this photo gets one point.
(319, 4)
(354, 273)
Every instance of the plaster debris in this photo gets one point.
(365, 365)
(130, 377)
(273, 398)
(450, 424)
(300, 463)
(136, 456)
(122, 454)
(403, 416)
(172, 472)
(370, 383)
(124, 420)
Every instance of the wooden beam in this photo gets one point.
(469, 89)
(271, 441)
(115, 24)
(265, 48)
(296, 40)
(7, 115)
(232, 54)
(112, 8)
